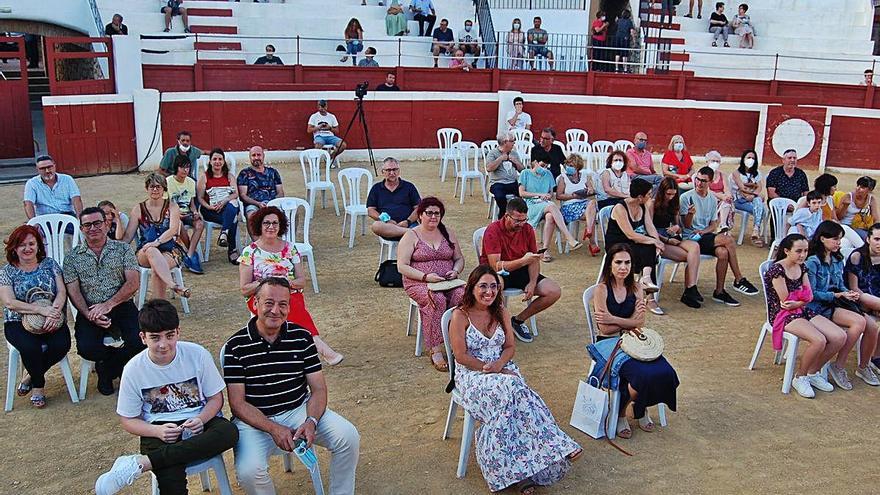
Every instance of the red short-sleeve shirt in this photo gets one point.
(682, 166)
(510, 245)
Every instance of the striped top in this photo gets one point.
(274, 375)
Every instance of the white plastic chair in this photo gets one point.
(354, 201)
(53, 226)
(290, 207)
(665, 262)
(623, 145)
(522, 135)
(789, 341)
(487, 146)
(455, 399)
(602, 217)
(201, 468)
(508, 292)
(414, 314)
(599, 151)
(446, 137)
(576, 135)
(12, 376)
(390, 247)
(468, 169)
(582, 149)
(317, 177)
(779, 215)
(203, 164)
(524, 150)
(176, 274)
(614, 406)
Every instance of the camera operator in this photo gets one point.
(324, 126)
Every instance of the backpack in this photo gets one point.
(387, 274)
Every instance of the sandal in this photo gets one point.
(232, 257)
(655, 309)
(646, 424)
(574, 247)
(442, 365)
(757, 241)
(222, 239)
(594, 250)
(547, 258)
(182, 291)
(575, 455)
(526, 487)
(24, 388)
(38, 401)
(649, 286)
(623, 429)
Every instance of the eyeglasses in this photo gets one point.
(545, 138)
(517, 221)
(155, 187)
(271, 224)
(485, 287)
(46, 168)
(91, 225)
(699, 179)
(432, 213)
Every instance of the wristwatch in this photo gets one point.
(313, 420)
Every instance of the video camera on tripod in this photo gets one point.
(360, 114)
(361, 90)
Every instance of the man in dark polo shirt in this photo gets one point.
(787, 180)
(509, 247)
(278, 395)
(392, 203)
(549, 153)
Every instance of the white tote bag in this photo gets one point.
(590, 409)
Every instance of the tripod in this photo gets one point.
(361, 115)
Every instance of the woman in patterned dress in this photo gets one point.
(431, 253)
(272, 256)
(518, 441)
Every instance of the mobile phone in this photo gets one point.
(542, 250)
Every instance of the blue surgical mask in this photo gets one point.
(570, 170)
(641, 145)
(678, 146)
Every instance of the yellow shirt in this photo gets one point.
(181, 192)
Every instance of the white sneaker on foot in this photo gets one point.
(840, 377)
(820, 382)
(802, 385)
(868, 375)
(123, 473)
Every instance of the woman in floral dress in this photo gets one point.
(272, 256)
(518, 441)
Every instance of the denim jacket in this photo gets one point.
(600, 352)
(825, 279)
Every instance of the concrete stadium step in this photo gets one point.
(661, 25)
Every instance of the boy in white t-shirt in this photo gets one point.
(182, 190)
(170, 395)
(516, 118)
(804, 221)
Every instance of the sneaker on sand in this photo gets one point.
(123, 473)
(522, 331)
(868, 375)
(724, 297)
(744, 286)
(689, 299)
(818, 381)
(840, 377)
(802, 385)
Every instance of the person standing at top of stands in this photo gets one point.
(787, 180)
(517, 118)
(183, 147)
(51, 192)
(549, 153)
(389, 85)
(269, 58)
(869, 78)
(423, 11)
(537, 40)
(173, 8)
(116, 27)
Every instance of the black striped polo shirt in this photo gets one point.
(274, 375)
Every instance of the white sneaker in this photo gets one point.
(802, 385)
(868, 375)
(123, 473)
(840, 377)
(874, 367)
(820, 382)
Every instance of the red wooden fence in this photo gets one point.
(91, 138)
(84, 86)
(16, 131)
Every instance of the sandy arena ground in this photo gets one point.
(734, 431)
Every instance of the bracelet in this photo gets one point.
(313, 420)
(424, 277)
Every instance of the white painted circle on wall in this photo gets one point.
(794, 134)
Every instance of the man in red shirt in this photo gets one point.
(510, 248)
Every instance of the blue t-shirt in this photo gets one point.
(399, 204)
(441, 36)
(57, 199)
(706, 210)
(542, 183)
(260, 186)
(22, 282)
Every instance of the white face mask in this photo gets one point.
(617, 165)
(467, 28)
(749, 162)
(678, 146)
(714, 165)
(184, 148)
(516, 25)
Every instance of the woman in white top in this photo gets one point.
(746, 186)
(516, 45)
(742, 27)
(217, 194)
(613, 184)
(574, 188)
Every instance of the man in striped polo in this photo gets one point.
(278, 395)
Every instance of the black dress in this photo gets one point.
(644, 255)
(655, 381)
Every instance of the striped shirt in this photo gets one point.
(273, 374)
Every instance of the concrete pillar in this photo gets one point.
(147, 128)
(127, 64)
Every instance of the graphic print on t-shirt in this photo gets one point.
(173, 397)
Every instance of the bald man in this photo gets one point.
(641, 162)
(258, 184)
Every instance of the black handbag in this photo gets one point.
(387, 274)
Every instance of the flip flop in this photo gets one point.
(575, 455)
(441, 366)
(547, 258)
(38, 401)
(575, 246)
(182, 292)
(23, 389)
(646, 424)
(626, 431)
(757, 241)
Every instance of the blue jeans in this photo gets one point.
(755, 207)
(228, 218)
(354, 47)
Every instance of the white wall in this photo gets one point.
(72, 14)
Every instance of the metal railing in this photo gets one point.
(96, 15)
(487, 32)
(540, 4)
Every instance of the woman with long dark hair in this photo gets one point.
(354, 40)
(664, 211)
(518, 442)
(835, 302)
(863, 276)
(747, 197)
(217, 194)
(631, 223)
(425, 254)
(619, 306)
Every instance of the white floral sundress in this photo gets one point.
(518, 437)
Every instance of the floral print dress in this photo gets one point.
(518, 437)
